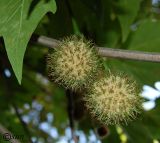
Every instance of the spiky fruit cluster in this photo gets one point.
(113, 99)
(74, 63)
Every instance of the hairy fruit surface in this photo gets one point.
(113, 99)
(74, 63)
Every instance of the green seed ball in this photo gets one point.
(113, 99)
(74, 63)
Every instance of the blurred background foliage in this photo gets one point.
(38, 108)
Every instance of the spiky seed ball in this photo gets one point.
(113, 99)
(74, 63)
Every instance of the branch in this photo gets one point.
(128, 54)
(6, 132)
(104, 51)
(9, 88)
(70, 108)
(24, 125)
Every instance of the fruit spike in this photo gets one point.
(74, 63)
(113, 99)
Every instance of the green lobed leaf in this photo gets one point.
(18, 20)
(127, 15)
(145, 38)
(145, 129)
(151, 120)
(137, 132)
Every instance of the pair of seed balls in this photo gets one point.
(110, 98)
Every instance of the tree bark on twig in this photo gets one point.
(70, 109)
(24, 125)
(104, 51)
(5, 131)
(9, 88)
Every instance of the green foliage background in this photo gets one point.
(125, 24)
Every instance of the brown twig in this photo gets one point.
(6, 132)
(70, 108)
(104, 51)
(8, 95)
(24, 125)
